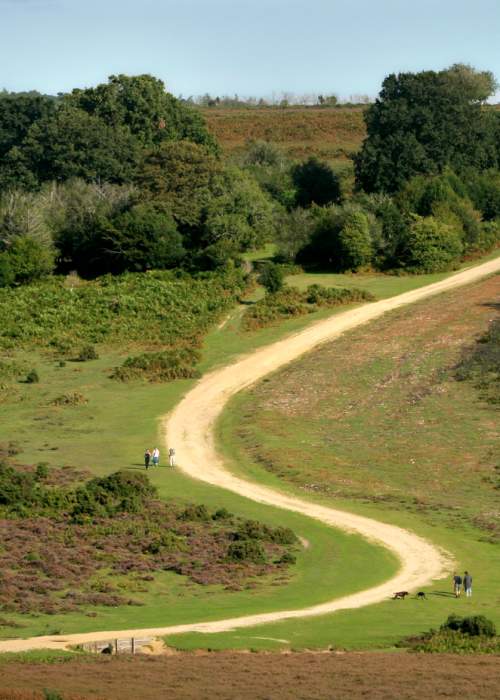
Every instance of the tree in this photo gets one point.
(354, 242)
(209, 202)
(430, 246)
(239, 212)
(18, 111)
(271, 278)
(71, 143)
(183, 176)
(142, 105)
(25, 260)
(341, 239)
(316, 183)
(142, 237)
(423, 122)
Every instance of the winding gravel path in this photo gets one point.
(190, 427)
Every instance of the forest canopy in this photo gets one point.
(124, 176)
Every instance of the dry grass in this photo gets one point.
(378, 415)
(331, 134)
(227, 676)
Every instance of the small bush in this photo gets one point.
(32, 377)
(87, 352)
(164, 366)
(474, 626)
(195, 512)
(72, 398)
(247, 550)
(271, 278)
(222, 514)
(42, 471)
(288, 558)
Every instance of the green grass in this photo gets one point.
(111, 431)
(373, 456)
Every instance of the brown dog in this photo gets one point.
(400, 594)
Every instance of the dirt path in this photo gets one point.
(190, 427)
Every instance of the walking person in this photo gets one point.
(156, 457)
(467, 584)
(171, 457)
(457, 585)
(147, 458)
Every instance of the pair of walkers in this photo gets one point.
(466, 581)
(154, 457)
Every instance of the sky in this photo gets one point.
(245, 47)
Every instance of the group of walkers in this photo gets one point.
(465, 581)
(153, 457)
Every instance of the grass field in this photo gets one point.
(111, 432)
(376, 424)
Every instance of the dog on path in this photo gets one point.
(400, 594)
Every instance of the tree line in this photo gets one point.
(124, 176)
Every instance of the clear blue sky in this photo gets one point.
(249, 47)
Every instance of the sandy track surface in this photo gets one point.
(190, 427)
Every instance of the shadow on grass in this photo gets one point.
(442, 594)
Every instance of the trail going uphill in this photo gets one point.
(190, 427)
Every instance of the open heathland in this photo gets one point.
(331, 134)
(350, 676)
(92, 436)
(95, 544)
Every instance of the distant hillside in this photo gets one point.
(332, 133)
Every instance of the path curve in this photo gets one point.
(190, 427)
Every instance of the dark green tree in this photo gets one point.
(423, 122)
(72, 143)
(18, 111)
(139, 238)
(271, 278)
(141, 104)
(316, 183)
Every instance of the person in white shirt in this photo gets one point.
(156, 457)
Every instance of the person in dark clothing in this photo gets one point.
(468, 584)
(457, 585)
(147, 458)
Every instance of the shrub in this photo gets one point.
(175, 363)
(290, 302)
(72, 398)
(316, 183)
(222, 514)
(354, 242)
(271, 278)
(474, 626)
(430, 246)
(195, 512)
(87, 352)
(247, 550)
(42, 471)
(32, 377)
(287, 558)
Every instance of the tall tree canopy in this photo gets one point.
(98, 134)
(142, 104)
(422, 122)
